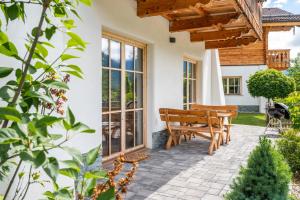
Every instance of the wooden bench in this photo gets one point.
(204, 124)
(230, 112)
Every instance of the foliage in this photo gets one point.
(270, 84)
(293, 102)
(294, 71)
(266, 176)
(289, 146)
(252, 119)
(34, 122)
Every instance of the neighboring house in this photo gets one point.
(132, 67)
(238, 63)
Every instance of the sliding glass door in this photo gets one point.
(123, 95)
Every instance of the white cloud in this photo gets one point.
(276, 3)
(298, 1)
(280, 3)
(268, 3)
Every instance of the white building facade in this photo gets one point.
(126, 114)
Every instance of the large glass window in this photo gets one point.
(232, 85)
(122, 95)
(189, 84)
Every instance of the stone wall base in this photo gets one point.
(159, 139)
(249, 109)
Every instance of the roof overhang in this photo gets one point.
(220, 24)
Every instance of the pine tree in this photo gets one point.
(266, 176)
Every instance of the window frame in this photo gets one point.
(194, 79)
(227, 86)
(123, 40)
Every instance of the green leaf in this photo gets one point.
(92, 155)
(82, 128)
(74, 153)
(86, 2)
(69, 24)
(55, 136)
(75, 68)
(72, 164)
(50, 32)
(13, 12)
(8, 136)
(47, 121)
(74, 73)
(3, 38)
(42, 50)
(5, 71)
(96, 175)
(70, 117)
(91, 184)
(107, 195)
(51, 168)
(9, 113)
(8, 49)
(56, 84)
(59, 11)
(67, 126)
(75, 40)
(6, 93)
(39, 158)
(67, 57)
(69, 172)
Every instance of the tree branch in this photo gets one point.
(12, 180)
(29, 58)
(25, 2)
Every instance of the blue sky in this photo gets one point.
(285, 40)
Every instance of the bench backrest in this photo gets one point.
(184, 116)
(227, 108)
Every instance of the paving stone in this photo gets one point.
(187, 172)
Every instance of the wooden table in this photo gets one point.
(222, 115)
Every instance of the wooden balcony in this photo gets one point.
(218, 23)
(278, 59)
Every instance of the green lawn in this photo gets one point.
(253, 119)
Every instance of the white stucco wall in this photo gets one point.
(245, 98)
(164, 67)
(211, 80)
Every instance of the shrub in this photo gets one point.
(270, 84)
(289, 147)
(293, 102)
(266, 176)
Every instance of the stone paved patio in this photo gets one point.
(187, 172)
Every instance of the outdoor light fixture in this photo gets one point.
(172, 40)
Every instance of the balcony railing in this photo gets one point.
(278, 59)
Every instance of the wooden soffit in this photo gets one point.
(219, 23)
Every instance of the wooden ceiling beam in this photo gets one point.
(202, 22)
(230, 43)
(147, 8)
(218, 35)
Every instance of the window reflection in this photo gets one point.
(105, 55)
(105, 135)
(138, 59)
(105, 90)
(129, 129)
(115, 90)
(129, 57)
(139, 127)
(139, 90)
(115, 132)
(129, 90)
(115, 54)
